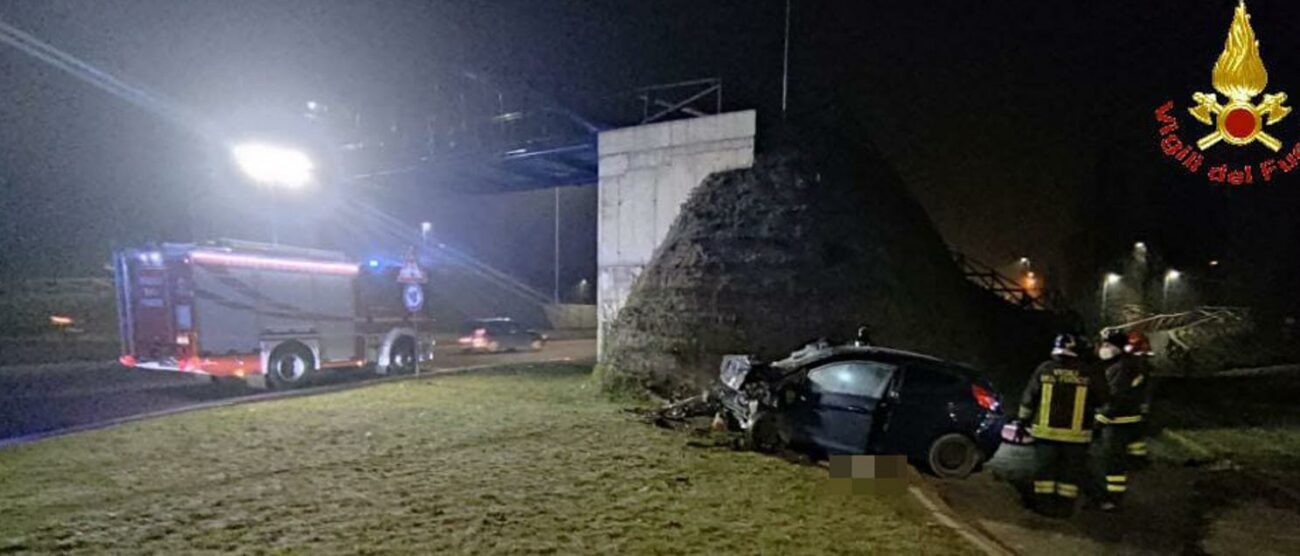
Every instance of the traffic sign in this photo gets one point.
(413, 297)
(411, 272)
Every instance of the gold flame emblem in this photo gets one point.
(1239, 75)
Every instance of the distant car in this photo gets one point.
(498, 334)
(856, 399)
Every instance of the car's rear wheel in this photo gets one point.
(952, 455)
(291, 365)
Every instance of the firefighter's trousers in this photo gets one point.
(1059, 469)
(1119, 444)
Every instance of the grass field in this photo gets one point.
(524, 459)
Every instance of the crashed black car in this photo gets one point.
(861, 399)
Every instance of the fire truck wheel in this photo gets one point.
(402, 357)
(291, 365)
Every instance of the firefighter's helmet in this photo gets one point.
(1138, 343)
(1117, 339)
(1066, 344)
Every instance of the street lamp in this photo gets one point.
(1110, 279)
(1170, 277)
(426, 228)
(274, 166)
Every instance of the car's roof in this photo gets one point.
(815, 353)
(819, 351)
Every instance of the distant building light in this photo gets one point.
(1214, 262)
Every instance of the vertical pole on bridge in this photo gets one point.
(555, 293)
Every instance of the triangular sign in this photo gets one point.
(411, 272)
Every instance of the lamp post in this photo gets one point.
(274, 167)
(1107, 281)
(1170, 277)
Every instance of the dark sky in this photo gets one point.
(1024, 128)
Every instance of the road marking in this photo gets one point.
(979, 539)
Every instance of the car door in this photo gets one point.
(926, 396)
(837, 410)
(516, 336)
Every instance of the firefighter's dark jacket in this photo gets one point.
(1061, 398)
(1130, 387)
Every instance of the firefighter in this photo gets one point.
(1119, 418)
(1139, 346)
(1122, 419)
(1058, 404)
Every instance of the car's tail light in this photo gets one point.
(480, 332)
(127, 360)
(984, 397)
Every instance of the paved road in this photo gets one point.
(1170, 509)
(40, 398)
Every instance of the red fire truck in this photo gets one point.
(270, 314)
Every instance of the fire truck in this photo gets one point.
(272, 315)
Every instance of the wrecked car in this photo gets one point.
(862, 399)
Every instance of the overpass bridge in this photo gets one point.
(489, 144)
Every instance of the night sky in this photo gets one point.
(1024, 128)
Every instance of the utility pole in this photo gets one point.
(785, 62)
(556, 263)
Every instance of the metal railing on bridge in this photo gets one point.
(1006, 288)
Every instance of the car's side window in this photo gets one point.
(852, 378)
(926, 380)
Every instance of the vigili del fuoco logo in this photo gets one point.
(1239, 122)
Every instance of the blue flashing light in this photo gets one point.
(374, 263)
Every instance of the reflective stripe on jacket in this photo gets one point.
(1060, 399)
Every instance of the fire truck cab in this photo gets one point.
(272, 315)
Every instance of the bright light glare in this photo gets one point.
(276, 166)
(1140, 246)
(1112, 279)
(1173, 274)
